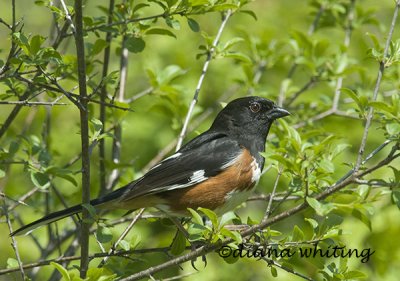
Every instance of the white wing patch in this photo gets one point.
(173, 156)
(198, 176)
(195, 178)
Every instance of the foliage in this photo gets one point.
(332, 170)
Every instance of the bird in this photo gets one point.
(217, 170)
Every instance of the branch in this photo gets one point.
(103, 95)
(84, 122)
(13, 241)
(122, 237)
(255, 228)
(377, 86)
(116, 145)
(200, 82)
(68, 17)
(33, 103)
(94, 256)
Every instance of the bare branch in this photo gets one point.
(200, 82)
(376, 89)
(84, 122)
(103, 95)
(13, 241)
(122, 237)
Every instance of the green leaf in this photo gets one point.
(354, 274)
(224, 7)
(362, 216)
(274, 272)
(320, 209)
(238, 56)
(135, 44)
(312, 222)
(393, 128)
(22, 41)
(179, 244)
(159, 31)
(327, 166)
(282, 160)
(396, 173)
(232, 42)
(139, 6)
(194, 26)
(196, 217)
(250, 13)
(297, 234)
(62, 173)
(104, 234)
(211, 215)
(168, 74)
(99, 274)
(2, 173)
(98, 46)
(232, 234)
(91, 209)
(226, 218)
(62, 270)
(354, 97)
(124, 245)
(381, 106)
(173, 23)
(12, 263)
(96, 128)
(35, 44)
(97, 125)
(294, 136)
(396, 198)
(40, 180)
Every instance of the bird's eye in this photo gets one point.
(255, 107)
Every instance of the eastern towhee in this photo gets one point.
(216, 170)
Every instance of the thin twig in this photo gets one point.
(271, 198)
(117, 140)
(376, 89)
(287, 269)
(122, 237)
(33, 103)
(13, 241)
(68, 16)
(201, 79)
(103, 95)
(94, 256)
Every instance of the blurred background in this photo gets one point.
(282, 50)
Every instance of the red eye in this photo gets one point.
(255, 107)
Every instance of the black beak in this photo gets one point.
(277, 112)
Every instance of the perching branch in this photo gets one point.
(253, 229)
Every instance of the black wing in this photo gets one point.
(203, 157)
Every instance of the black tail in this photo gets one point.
(47, 219)
(55, 216)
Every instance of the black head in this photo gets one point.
(248, 117)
